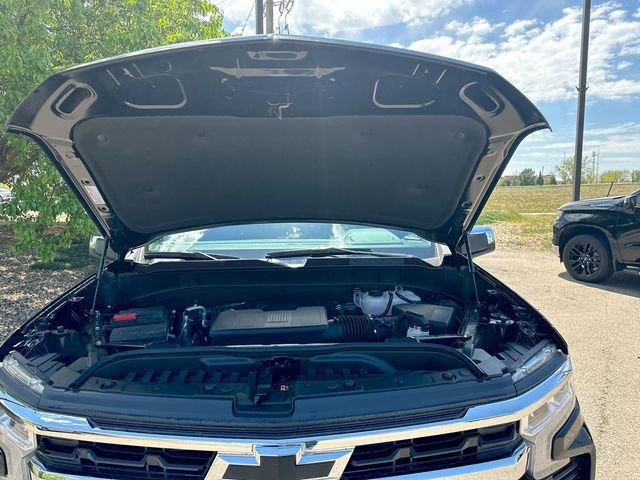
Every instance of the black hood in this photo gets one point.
(604, 203)
(265, 129)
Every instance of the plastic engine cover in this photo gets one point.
(257, 326)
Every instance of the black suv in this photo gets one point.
(597, 237)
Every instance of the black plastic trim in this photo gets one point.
(573, 440)
(3, 464)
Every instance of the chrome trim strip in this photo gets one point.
(511, 468)
(38, 472)
(497, 413)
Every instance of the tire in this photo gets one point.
(588, 259)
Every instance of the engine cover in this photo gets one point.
(257, 326)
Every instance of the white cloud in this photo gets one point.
(542, 58)
(477, 26)
(518, 27)
(616, 141)
(330, 17)
(618, 146)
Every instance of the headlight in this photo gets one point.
(21, 373)
(559, 405)
(540, 427)
(559, 214)
(535, 362)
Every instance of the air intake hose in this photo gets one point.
(357, 328)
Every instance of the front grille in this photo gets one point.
(577, 469)
(124, 462)
(433, 453)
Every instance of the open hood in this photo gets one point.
(261, 129)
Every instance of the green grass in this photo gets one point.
(488, 217)
(549, 198)
(523, 216)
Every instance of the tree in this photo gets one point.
(527, 177)
(613, 176)
(635, 176)
(564, 169)
(540, 179)
(38, 38)
(552, 180)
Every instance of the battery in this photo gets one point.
(139, 326)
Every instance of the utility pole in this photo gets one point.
(582, 94)
(259, 17)
(269, 16)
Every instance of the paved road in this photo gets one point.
(602, 326)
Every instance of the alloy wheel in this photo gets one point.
(585, 259)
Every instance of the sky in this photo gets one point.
(535, 44)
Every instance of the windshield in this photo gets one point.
(255, 240)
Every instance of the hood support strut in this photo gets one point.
(472, 319)
(95, 317)
(472, 268)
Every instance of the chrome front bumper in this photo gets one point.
(338, 447)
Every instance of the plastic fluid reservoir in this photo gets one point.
(377, 303)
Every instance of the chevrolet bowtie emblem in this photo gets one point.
(290, 462)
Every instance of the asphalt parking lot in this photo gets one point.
(601, 323)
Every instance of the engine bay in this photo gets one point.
(266, 345)
(376, 317)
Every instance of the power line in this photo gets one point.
(247, 19)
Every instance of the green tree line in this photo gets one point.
(39, 37)
(563, 172)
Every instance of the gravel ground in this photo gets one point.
(600, 324)
(23, 290)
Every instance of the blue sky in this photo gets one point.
(532, 43)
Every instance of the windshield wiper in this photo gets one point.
(331, 252)
(194, 255)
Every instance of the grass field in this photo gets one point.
(523, 216)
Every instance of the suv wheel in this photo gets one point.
(587, 259)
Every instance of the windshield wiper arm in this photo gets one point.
(193, 255)
(331, 252)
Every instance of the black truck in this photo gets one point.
(303, 303)
(597, 237)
